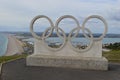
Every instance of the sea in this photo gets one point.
(3, 44)
(77, 40)
(4, 41)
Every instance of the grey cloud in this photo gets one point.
(115, 15)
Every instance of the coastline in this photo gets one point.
(14, 46)
(3, 44)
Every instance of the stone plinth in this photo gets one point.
(68, 62)
(67, 55)
(94, 51)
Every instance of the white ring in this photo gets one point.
(54, 49)
(90, 38)
(100, 18)
(63, 17)
(32, 23)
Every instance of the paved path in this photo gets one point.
(17, 70)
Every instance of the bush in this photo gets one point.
(14, 57)
(114, 46)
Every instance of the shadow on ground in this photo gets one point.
(17, 70)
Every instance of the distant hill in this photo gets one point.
(112, 35)
(28, 34)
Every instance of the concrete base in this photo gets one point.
(67, 61)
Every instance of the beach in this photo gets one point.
(14, 46)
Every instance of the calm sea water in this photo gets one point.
(79, 40)
(3, 44)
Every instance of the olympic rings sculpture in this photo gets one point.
(64, 37)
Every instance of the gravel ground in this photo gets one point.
(17, 70)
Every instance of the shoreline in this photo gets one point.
(14, 46)
(3, 44)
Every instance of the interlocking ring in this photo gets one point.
(63, 17)
(51, 28)
(100, 18)
(32, 23)
(90, 38)
(64, 38)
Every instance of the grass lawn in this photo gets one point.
(4, 59)
(112, 56)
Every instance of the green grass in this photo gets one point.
(4, 59)
(112, 56)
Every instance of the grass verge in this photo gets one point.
(112, 56)
(4, 59)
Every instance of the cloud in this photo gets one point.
(115, 15)
(19, 13)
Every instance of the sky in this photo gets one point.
(16, 15)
